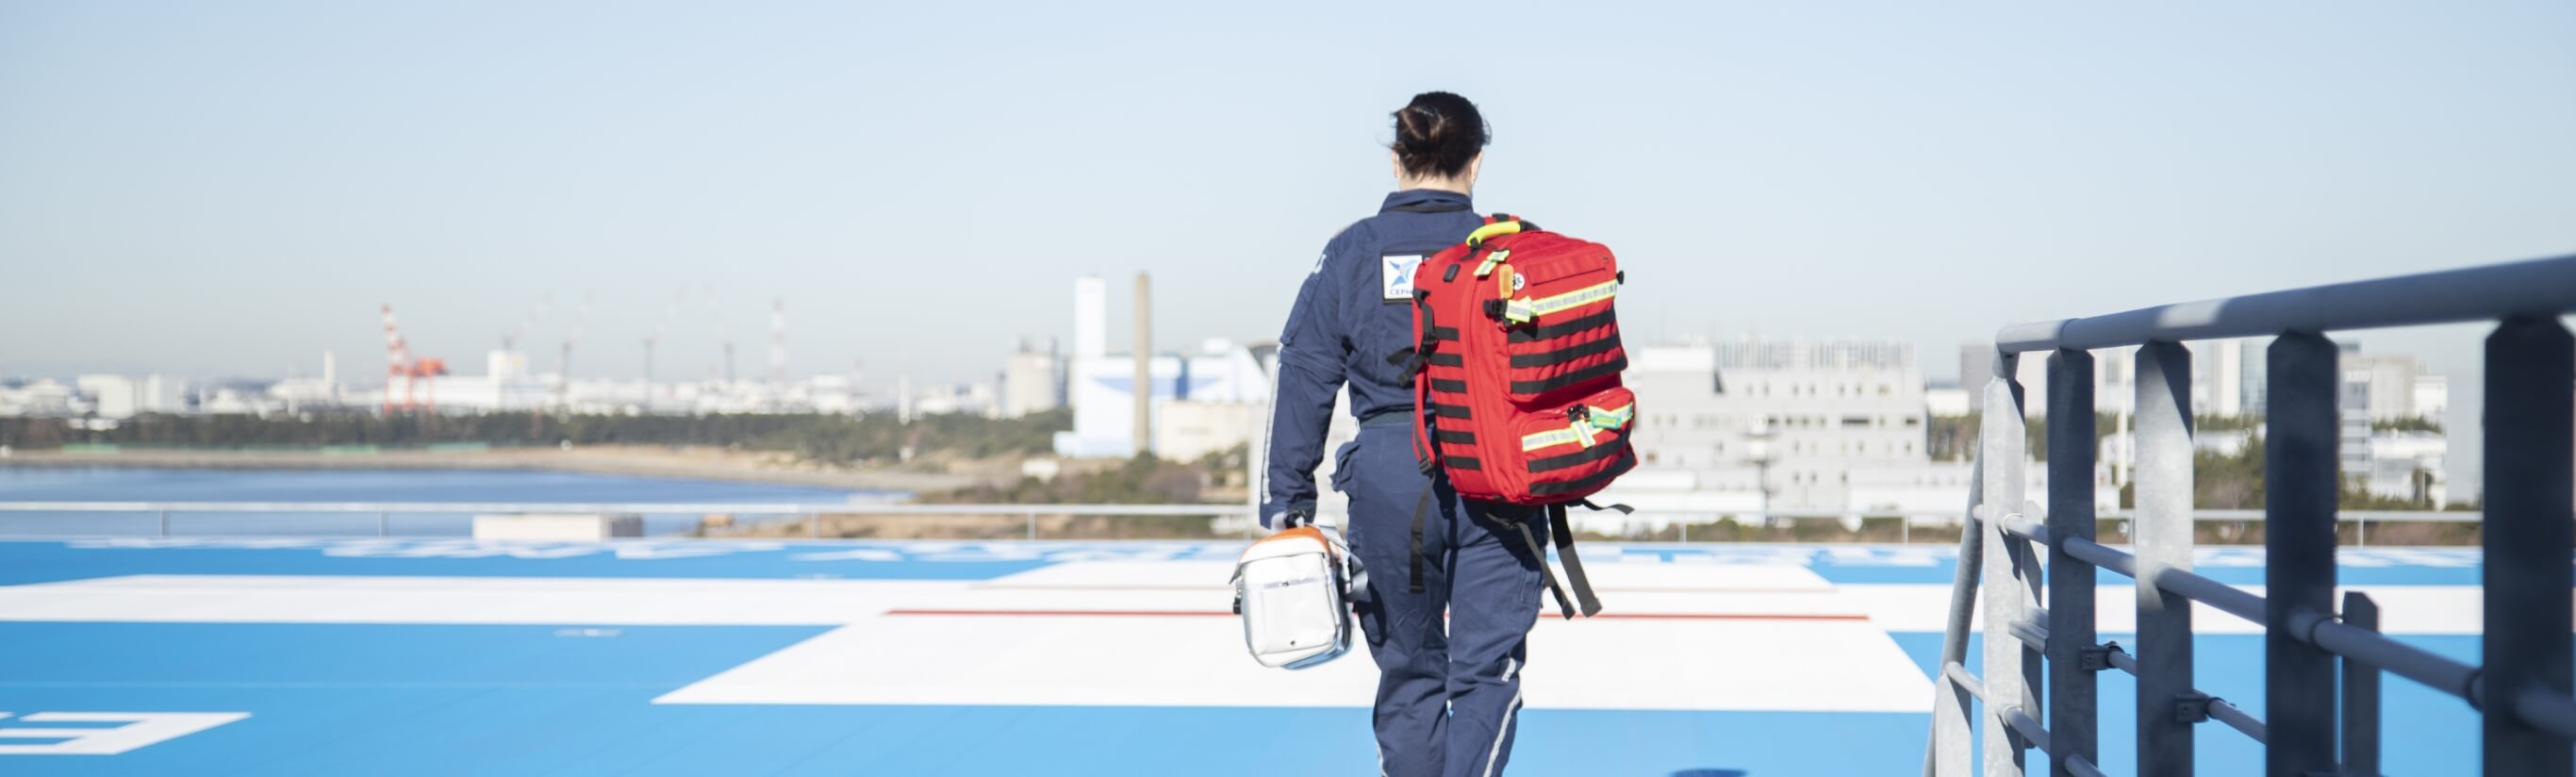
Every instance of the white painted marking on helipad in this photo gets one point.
(461, 600)
(1048, 637)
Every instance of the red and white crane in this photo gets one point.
(400, 364)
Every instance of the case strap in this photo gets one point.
(1421, 511)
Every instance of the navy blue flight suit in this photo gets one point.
(1447, 693)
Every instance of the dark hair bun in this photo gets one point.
(1438, 133)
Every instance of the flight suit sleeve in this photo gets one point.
(1313, 351)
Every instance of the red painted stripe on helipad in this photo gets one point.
(1734, 616)
(1666, 616)
(1148, 587)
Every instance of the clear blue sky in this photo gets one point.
(229, 189)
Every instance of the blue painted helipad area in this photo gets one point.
(285, 656)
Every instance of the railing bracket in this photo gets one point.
(2097, 658)
(2191, 707)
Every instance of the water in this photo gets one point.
(117, 484)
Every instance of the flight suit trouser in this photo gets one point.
(1449, 691)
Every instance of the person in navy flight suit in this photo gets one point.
(1448, 691)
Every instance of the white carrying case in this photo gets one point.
(1292, 589)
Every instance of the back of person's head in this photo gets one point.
(1438, 135)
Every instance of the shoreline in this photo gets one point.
(681, 463)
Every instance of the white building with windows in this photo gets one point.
(1786, 426)
(117, 396)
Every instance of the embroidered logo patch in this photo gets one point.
(1395, 273)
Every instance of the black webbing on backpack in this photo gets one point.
(1583, 598)
(1539, 552)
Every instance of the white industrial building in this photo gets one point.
(2387, 387)
(2406, 465)
(1199, 403)
(1756, 426)
(118, 396)
(1222, 374)
(42, 397)
(1947, 399)
(1032, 381)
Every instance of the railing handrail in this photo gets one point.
(2487, 293)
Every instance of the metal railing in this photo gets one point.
(2311, 723)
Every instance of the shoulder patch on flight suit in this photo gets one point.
(1395, 275)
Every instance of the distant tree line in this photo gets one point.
(829, 438)
(2224, 482)
(1954, 437)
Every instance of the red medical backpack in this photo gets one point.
(1517, 374)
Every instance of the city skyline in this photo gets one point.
(199, 190)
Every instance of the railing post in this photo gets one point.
(1033, 526)
(165, 523)
(814, 526)
(1950, 753)
(2011, 671)
(2163, 532)
(2073, 720)
(383, 527)
(2530, 366)
(2303, 478)
(2360, 694)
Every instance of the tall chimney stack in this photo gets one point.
(1144, 364)
(778, 342)
(1090, 317)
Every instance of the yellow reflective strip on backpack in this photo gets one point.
(1609, 419)
(1486, 267)
(1518, 311)
(1574, 299)
(1546, 439)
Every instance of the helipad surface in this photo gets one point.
(415, 656)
